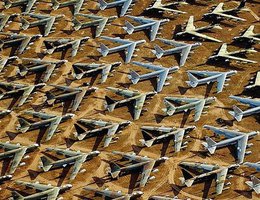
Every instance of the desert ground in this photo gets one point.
(92, 107)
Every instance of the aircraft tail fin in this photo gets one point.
(46, 163)
(22, 70)
(187, 182)
(25, 24)
(7, 3)
(129, 28)
(17, 195)
(170, 108)
(158, 51)
(147, 143)
(102, 4)
(134, 76)
(76, 24)
(193, 81)
(114, 170)
(24, 125)
(242, 4)
(50, 98)
(55, 4)
(110, 104)
(104, 50)
(210, 145)
(237, 113)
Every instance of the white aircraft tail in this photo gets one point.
(134, 76)
(22, 70)
(110, 104)
(170, 108)
(46, 163)
(210, 145)
(102, 4)
(25, 24)
(55, 4)
(104, 50)
(237, 113)
(147, 143)
(114, 170)
(76, 24)
(193, 81)
(24, 125)
(129, 28)
(187, 182)
(158, 51)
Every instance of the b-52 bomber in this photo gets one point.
(206, 77)
(89, 69)
(162, 74)
(124, 4)
(254, 184)
(117, 195)
(218, 13)
(253, 165)
(42, 67)
(87, 128)
(207, 170)
(254, 105)
(136, 96)
(72, 96)
(21, 41)
(233, 137)
(223, 54)
(166, 7)
(77, 5)
(5, 19)
(5, 61)
(181, 48)
(60, 44)
(249, 36)
(164, 134)
(43, 191)
(16, 152)
(180, 104)
(75, 158)
(18, 91)
(48, 121)
(126, 45)
(144, 23)
(47, 21)
(99, 22)
(144, 164)
(27, 4)
(191, 30)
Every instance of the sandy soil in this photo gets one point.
(166, 182)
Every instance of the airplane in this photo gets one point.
(146, 165)
(218, 13)
(240, 139)
(43, 191)
(249, 36)
(144, 23)
(185, 103)
(4, 112)
(19, 91)
(27, 4)
(162, 74)
(75, 158)
(136, 96)
(5, 61)
(59, 44)
(164, 134)
(5, 19)
(207, 170)
(12, 39)
(92, 128)
(238, 114)
(206, 77)
(191, 30)
(106, 193)
(166, 7)
(84, 69)
(254, 184)
(77, 5)
(73, 95)
(16, 152)
(184, 49)
(99, 22)
(47, 21)
(223, 54)
(127, 45)
(48, 121)
(124, 4)
(43, 67)
(255, 165)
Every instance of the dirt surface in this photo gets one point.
(167, 179)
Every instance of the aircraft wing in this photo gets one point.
(49, 25)
(64, 88)
(139, 103)
(78, 5)
(76, 168)
(221, 177)
(161, 80)
(147, 169)
(221, 82)
(39, 114)
(230, 16)
(53, 127)
(184, 54)
(101, 26)
(110, 133)
(29, 5)
(105, 73)
(48, 72)
(25, 95)
(53, 194)
(203, 36)
(178, 137)
(125, 7)
(172, 42)
(77, 100)
(23, 44)
(198, 109)
(239, 59)
(75, 47)
(241, 148)
(36, 186)
(251, 102)
(17, 159)
(130, 52)
(154, 30)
